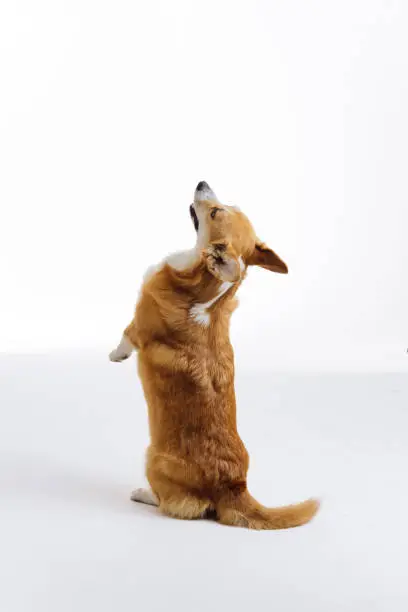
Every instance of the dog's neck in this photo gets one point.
(194, 288)
(207, 295)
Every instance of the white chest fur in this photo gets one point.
(199, 312)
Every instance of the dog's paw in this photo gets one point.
(124, 350)
(117, 356)
(144, 496)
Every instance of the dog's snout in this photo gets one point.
(203, 186)
(204, 192)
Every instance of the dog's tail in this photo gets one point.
(242, 510)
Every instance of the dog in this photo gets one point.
(197, 464)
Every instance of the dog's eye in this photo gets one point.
(214, 212)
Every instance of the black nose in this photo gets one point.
(202, 186)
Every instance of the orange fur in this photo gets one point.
(196, 461)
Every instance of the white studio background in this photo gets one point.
(111, 112)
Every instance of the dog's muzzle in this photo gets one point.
(204, 192)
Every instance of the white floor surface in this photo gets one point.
(72, 439)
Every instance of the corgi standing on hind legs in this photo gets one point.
(196, 461)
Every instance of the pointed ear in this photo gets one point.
(222, 261)
(266, 258)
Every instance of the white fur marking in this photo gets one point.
(182, 260)
(199, 311)
(242, 264)
(200, 315)
(144, 496)
(124, 350)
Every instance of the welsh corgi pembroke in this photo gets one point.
(196, 463)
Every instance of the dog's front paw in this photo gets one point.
(116, 356)
(124, 350)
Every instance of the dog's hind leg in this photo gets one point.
(183, 505)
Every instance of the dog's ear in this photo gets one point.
(222, 261)
(264, 257)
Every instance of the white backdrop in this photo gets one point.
(110, 113)
(295, 111)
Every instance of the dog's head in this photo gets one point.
(227, 238)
